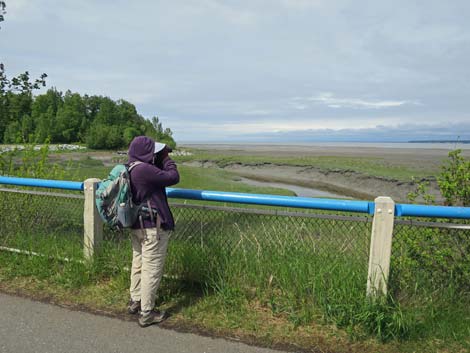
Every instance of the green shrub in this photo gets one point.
(454, 181)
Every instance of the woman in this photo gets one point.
(150, 234)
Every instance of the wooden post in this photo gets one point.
(380, 246)
(93, 225)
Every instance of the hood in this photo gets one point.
(141, 149)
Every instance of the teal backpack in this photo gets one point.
(113, 198)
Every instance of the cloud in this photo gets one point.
(302, 4)
(331, 101)
(233, 14)
(218, 67)
(257, 112)
(298, 106)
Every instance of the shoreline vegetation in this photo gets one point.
(271, 313)
(359, 172)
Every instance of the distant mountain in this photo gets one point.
(439, 141)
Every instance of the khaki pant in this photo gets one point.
(148, 258)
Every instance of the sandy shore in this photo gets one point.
(345, 182)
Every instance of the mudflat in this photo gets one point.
(426, 153)
(347, 181)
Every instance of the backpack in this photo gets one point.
(113, 198)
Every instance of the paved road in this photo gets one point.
(27, 326)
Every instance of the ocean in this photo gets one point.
(398, 145)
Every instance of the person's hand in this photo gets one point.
(163, 154)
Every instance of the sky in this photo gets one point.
(277, 70)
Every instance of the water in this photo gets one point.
(298, 190)
(395, 145)
(416, 145)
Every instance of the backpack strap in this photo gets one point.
(152, 218)
(158, 223)
(133, 164)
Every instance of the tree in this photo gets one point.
(44, 124)
(129, 134)
(12, 133)
(157, 125)
(3, 102)
(22, 83)
(127, 113)
(3, 6)
(101, 136)
(454, 181)
(108, 113)
(98, 121)
(69, 118)
(16, 97)
(27, 128)
(156, 131)
(52, 99)
(44, 112)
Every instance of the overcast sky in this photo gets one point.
(269, 70)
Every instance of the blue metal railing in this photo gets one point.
(402, 209)
(273, 200)
(43, 183)
(269, 200)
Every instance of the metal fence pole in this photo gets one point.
(92, 224)
(380, 246)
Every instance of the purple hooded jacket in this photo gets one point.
(148, 182)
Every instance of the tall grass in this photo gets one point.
(304, 269)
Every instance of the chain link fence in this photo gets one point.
(258, 248)
(429, 257)
(37, 221)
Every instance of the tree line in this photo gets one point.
(56, 117)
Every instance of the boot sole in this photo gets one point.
(150, 323)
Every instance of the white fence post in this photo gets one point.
(380, 246)
(92, 224)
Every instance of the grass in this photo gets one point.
(269, 278)
(273, 296)
(213, 179)
(373, 166)
(277, 280)
(190, 177)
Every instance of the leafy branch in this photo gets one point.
(3, 6)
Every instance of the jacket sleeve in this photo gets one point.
(166, 176)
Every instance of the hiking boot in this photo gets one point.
(133, 307)
(151, 317)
